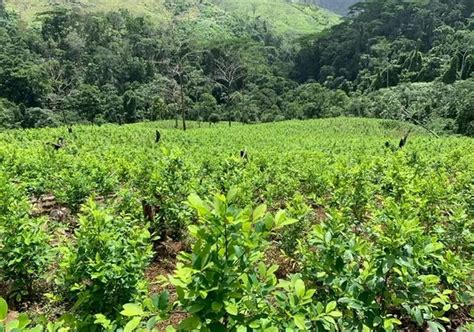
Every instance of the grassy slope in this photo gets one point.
(284, 17)
(28, 8)
(338, 6)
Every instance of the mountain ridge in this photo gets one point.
(340, 7)
(286, 17)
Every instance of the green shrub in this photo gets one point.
(25, 252)
(104, 269)
(166, 187)
(22, 323)
(214, 118)
(224, 283)
(289, 236)
(381, 275)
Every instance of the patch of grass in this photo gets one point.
(211, 20)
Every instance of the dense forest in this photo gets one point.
(409, 60)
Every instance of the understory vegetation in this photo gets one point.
(318, 225)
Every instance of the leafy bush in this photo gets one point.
(25, 252)
(214, 118)
(288, 237)
(225, 284)
(105, 267)
(167, 186)
(381, 275)
(23, 324)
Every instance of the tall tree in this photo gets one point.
(228, 72)
(450, 75)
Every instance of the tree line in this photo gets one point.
(71, 66)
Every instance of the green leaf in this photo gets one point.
(3, 309)
(309, 293)
(193, 230)
(198, 204)
(319, 308)
(377, 321)
(163, 301)
(300, 288)
(232, 194)
(287, 222)
(328, 237)
(180, 292)
(131, 309)
(132, 325)
(232, 309)
(217, 306)
(103, 321)
(430, 279)
(335, 314)
(12, 326)
(281, 220)
(418, 316)
(435, 326)
(330, 320)
(389, 323)
(271, 329)
(196, 308)
(259, 212)
(150, 325)
(432, 247)
(190, 323)
(23, 321)
(300, 321)
(269, 221)
(331, 306)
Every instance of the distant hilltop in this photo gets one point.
(340, 7)
(286, 17)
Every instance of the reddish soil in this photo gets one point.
(163, 266)
(286, 266)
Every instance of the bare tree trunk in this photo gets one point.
(183, 110)
(464, 65)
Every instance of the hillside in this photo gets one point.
(337, 6)
(287, 18)
(294, 18)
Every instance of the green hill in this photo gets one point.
(285, 17)
(337, 6)
(29, 8)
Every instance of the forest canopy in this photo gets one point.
(387, 59)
